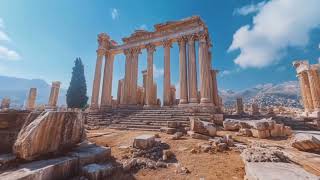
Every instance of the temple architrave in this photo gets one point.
(309, 79)
(186, 33)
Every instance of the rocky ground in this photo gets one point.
(194, 164)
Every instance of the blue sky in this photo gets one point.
(254, 42)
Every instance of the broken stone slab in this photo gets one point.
(97, 171)
(262, 124)
(50, 132)
(306, 142)
(271, 170)
(144, 141)
(50, 169)
(245, 132)
(195, 135)
(231, 124)
(261, 134)
(91, 154)
(202, 127)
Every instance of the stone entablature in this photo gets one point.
(185, 33)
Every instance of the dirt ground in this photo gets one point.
(204, 166)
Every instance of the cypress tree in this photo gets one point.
(77, 91)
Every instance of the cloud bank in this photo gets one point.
(278, 24)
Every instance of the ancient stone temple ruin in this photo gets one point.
(309, 78)
(186, 33)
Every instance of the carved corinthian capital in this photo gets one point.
(182, 41)
(101, 51)
(203, 37)
(150, 48)
(127, 52)
(192, 38)
(103, 40)
(135, 51)
(167, 43)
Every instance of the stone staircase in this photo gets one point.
(143, 119)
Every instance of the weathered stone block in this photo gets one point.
(50, 132)
(168, 130)
(270, 170)
(144, 141)
(51, 169)
(202, 127)
(91, 154)
(195, 135)
(306, 142)
(97, 171)
(277, 131)
(262, 134)
(231, 125)
(173, 124)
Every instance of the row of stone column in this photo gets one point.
(127, 95)
(310, 89)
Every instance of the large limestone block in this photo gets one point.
(261, 134)
(51, 169)
(262, 124)
(278, 130)
(91, 154)
(231, 125)
(50, 132)
(272, 170)
(145, 141)
(202, 127)
(306, 142)
(195, 135)
(97, 171)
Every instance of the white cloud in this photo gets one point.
(114, 13)
(252, 8)
(8, 54)
(157, 72)
(228, 72)
(278, 25)
(4, 36)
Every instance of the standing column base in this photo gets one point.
(193, 101)
(105, 107)
(183, 101)
(205, 101)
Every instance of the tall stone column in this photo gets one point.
(183, 71)
(106, 98)
(166, 81)
(149, 92)
(313, 77)
(144, 76)
(192, 75)
(97, 79)
(134, 78)
(204, 69)
(215, 93)
(120, 91)
(31, 102)
(127, 79)
(305, 91)
(54, 94)
(211, 78)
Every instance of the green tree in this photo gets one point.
(77, 91)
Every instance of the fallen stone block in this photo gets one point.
(195, 135)
(177, 135)
(97, 171)
(202, 127)
(306, 142)
(245, 132)
(173, 124)
(50, 132)
(261, 134)
(145, 141)
(260, 154)
(277, 131)
(51, 169)
(271, 170)
(231, 124)
(91, 154)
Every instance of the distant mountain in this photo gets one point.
(17, 90)
(284, 94)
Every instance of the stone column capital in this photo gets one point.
(191, 38)
(135, 51)
(150, 48)
(182, 41)
(127, 52)
(101, 51)
(167, 43)
(203, 37)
